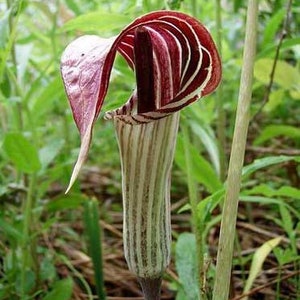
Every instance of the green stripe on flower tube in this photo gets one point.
(147, 152)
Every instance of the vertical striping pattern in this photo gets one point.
(147, 152)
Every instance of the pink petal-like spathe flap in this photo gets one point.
(85, 67)
(85, 78)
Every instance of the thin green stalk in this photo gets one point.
(194, 9)
(53, 32)
(93, 234)
(249, 214)
(197, 223)
(27, 256)
(9, 47)
(221, 123)
(278, 282)
(78, 276)
(229, 214)
(298, 280)
(240, 257)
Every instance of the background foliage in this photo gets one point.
(41, 228)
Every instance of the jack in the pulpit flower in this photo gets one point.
(175, 62)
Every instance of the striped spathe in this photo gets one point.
(147, 152)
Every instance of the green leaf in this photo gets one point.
(21, 152)
(45, 101)
(237, 4)
(186, 264)
(202, 171)
(73, 6)
(174, 4)
(10, 230)
(272, 131)
(50, 151)
(286, 75)
(295, 94)
(180, 295)
(286, 218)
(265, 162)
(209, 141)
(4, 291)
(30, 281)
(271, 49)
(289, 191)
(23, 53)
(5, 84)
(258, 259)
(4, 28)
(272, 27)
(70, 201)
(207, 205)
(276, 98)
(267, 200)
(47, 269)
(266, 190)
(61, 290)
(98, 21)
(259, 199)
(284, 256)
(43, 8)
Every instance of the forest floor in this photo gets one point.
(120, 283)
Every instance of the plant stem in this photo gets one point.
(27, 256)
(78, 275)
(229, 215)
(9, 47)
(278, 282)
(194, 8)
(197, 222)
(221, 125)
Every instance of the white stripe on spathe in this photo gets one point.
(163, 50)
(147, 152)
(173, 106)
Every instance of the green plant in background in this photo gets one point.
(27, 154)
(93, 233)
(175, 62)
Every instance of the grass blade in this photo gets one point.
(93, 235)
(258, 260)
